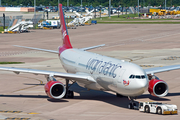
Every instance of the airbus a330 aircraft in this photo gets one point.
(97, 72)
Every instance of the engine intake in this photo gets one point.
(158, 88)
(55, 89)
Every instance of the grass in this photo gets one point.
(11, 62)
(139, 22)
(1, 28)
(122, 19)
(116, 18)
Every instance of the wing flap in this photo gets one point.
(161, 69)
(77, 77)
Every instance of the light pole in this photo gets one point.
(109, 8)
(100, 10)
(35, 7)
(58, 7)
(138, 8)
(118, 10)
(165, 4)
(67, 3)
(81, 7)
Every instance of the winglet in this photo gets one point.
(64, 32)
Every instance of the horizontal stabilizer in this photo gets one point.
(93, 47)
(32, 48)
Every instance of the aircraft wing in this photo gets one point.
(161, 69)
(92, 47)
(83, 78)
(45, 50)
(77, 14)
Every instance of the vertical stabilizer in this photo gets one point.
(64, 32)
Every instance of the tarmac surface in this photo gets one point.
(23, 97)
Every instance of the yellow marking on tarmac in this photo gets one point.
(147, 65)
(4, 111)
(171, 58)
(17, 118)
(32, 113)
(1, 111)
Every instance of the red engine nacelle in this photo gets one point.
(55, 89)
(158, 88)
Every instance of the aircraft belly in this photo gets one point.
(106, 83)
(91, 86)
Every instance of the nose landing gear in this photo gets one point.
(132, 104)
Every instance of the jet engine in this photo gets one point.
(158, 88)
(55, 89)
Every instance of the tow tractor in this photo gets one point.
(157, 108)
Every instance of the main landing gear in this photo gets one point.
(69, 93)
(132, 104)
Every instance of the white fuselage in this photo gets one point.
(110, 74)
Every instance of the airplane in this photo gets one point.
(97, 72)
(77, 14)
(89, 13)
(80, 19)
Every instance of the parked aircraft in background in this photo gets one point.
(89, 13)
(81, 19)
(97, 72)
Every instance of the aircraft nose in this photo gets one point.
(143, 83)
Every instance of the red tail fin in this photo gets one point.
(65, 36)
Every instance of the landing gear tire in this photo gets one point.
(70, 94)
(159, 111)
(146, 109)
(130, 106)
(134, 104)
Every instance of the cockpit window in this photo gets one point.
(137, 76)
(142, 76)
(132, 76)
